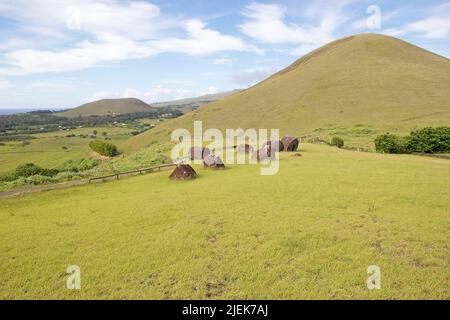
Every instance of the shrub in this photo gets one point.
(337, 142)
(390, 143)
(427, 140)
(68, 176)
(79, 165)
(159, 159)
(430, 140)
(29, 170)
(103, 148)
(38, 179)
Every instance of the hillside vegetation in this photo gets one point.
(108, 107)
(309, 232)
(52, 149)
(356, 87)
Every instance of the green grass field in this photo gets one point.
(309, 232)
(47, 148)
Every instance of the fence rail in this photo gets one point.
(140, 171)
(432, 155)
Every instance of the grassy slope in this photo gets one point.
(108, 107)
(47, 149)
(356, 88)
(309, 232)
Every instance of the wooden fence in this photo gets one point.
(140, 171)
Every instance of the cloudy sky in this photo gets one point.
(62, 53)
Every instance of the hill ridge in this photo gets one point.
(108, 107)
(356, 87)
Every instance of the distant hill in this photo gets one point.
(132, 105)
(108, 107)
(355, 87)
(191, 104)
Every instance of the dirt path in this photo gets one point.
(65, 185)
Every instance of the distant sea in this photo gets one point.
(13, 111)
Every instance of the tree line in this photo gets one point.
(46, 119)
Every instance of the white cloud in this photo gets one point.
(5, 84)
(304, 49)
(157, 93)
(267, 23)
(360, 24)
(213, 90)
(394, 32)
(104, 95)
(431, 28)
(223, 61)
(385, 18)
(201, 40)
(434, 25)
(161, 93)
(131, 93)
(84, 55)
(12, 43)
(183, 94)
(135, 19)
(50, 85)
(85, 34)
(251, 77)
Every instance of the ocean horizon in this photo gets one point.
(4, 112)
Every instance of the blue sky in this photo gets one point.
(62, 53)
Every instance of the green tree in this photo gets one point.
(30, 169)
(430, 140)
(338, 142)
(104, 148)
(390, 143)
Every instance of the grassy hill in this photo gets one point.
(309, 232)
(356, 87)
(108, 107)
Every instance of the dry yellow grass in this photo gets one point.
(357, 88)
